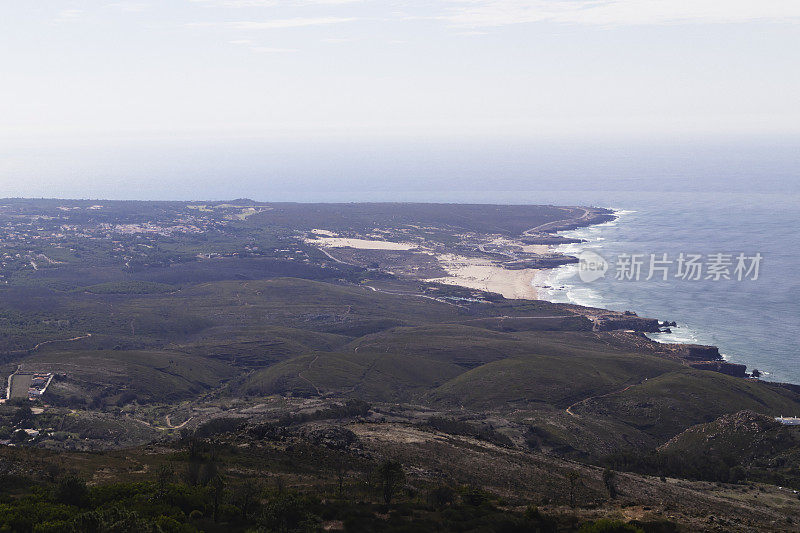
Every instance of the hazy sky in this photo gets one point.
(392, 67)
(86, 84)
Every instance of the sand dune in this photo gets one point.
(485, 275)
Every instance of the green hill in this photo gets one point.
(102, 377)
(551, 372)
(309, 338)
(666, 405)
(370, 376)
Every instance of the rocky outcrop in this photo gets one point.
(627, 321)
(594, 215)
(540, 262)
(334, 437)
(549, 239)
(737, 431)
(723, 367)
(697, 352)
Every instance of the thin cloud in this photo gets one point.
(240, 3)
(271, 3)
(272, 50)
(69, 14)
(274, 24)
(130, 7)
(487, 13)
(337, 40)
(289, 23)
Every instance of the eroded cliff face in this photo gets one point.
(629, 322)
(724, 367)
(698, 356)
(697, 352)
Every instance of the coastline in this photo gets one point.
(747, 332)
(555, 285)
(540, 263)
(561, 285)
(490, 275)
(558, 285)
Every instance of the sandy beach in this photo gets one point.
(485, 275)
(362, 244)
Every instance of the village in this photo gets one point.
(31, 240)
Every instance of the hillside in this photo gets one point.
(755, 445)
(308, 338)
(225, 338)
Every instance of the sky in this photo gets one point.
(88, 82)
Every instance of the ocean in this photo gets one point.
(752, 321)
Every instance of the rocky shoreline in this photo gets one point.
(701, 357)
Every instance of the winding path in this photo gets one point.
(324, 251)
(301, 376)
(73, 339)
(416, 295)
(179, 426)
(571, 413)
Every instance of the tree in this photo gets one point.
(19, 436)
(72, 490)
(341, 471)
(441, 497)
(391, 477)
(289, 513)
(193, 444)
(246, 498)
(165, 474)
(572, 478)
(610, 481)
(211, 468)
(22, 415)
(217, 488)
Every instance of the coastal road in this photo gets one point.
(542, 228)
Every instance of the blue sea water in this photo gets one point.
(754, 322)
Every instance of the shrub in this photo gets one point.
(605, 525)
(72, 490)
(441, 497)
(219, 426)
